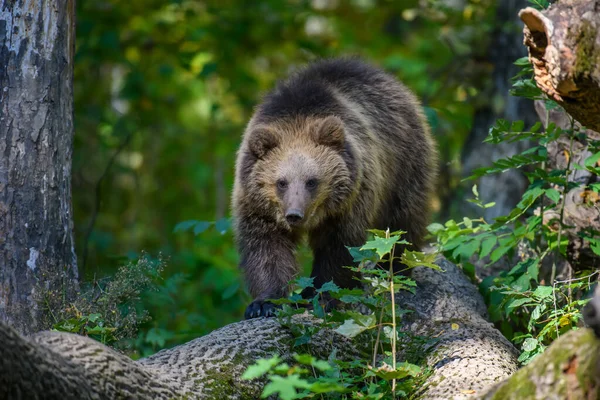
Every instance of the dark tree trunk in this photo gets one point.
(506, 47)
(37, 257)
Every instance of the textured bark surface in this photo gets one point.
(504, 189)
(468, 357)
(464, 361)
(36, 133)
(564, 48)
(568, 369)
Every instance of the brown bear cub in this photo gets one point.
(338, 148)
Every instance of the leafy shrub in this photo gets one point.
(108, 310)
(530, 240)
(370, 312)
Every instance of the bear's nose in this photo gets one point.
(294, 216)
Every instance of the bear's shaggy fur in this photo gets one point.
(338, 148)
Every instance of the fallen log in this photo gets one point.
(465, 358)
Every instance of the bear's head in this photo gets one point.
(303, 169)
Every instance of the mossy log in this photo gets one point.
(466, 357)
(568, 369)
(564, 48)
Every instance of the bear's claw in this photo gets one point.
(260, 308)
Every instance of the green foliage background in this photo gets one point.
(162, 93)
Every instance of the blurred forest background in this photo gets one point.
(163, 90)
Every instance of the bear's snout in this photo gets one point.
(294, 216)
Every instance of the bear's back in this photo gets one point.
(341, 86)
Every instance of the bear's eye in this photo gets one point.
(311, 183)
(282, 184)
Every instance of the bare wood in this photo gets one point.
(564, 48)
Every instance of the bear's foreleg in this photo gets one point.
(269, 264)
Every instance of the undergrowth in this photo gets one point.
(109, 310)
(370, 313)
(538, 296)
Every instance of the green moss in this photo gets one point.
(225, 382)
(587, 57)
(580, 345)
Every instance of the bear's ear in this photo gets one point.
(330, 132)
(262, 141)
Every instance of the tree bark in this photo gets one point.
(564, 48)
(37, 257)
(568, 369)
(465, 359)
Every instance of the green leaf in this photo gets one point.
(318, 310)
(185, 225)
(435, 228)
(260, 367)
(553, 195)
(536, 313)
(377, 232)
(223, 225)
(523, 61)
(543, 292)
(201, 226)
(350, 328)
(381, 245)
(595, 246)
(539, 4)
(467, 249)
(402, 371)
(285, 386)
(499, 251)
(592, 161)
(530, 156)
(326, 387)
(519, 302)
(526, 88)
(307, 359)
(329, 287)
(414, 259)
(359, 255)
(487, 245)
(530, 344)
(305, 282)
(366, 320)
(94, 317)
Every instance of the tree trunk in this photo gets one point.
(37, 257)
(564, 48)
(503, 189)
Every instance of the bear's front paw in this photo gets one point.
(260, 308)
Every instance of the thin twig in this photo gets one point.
(564, 199)
(387, 236)
(98, 192)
